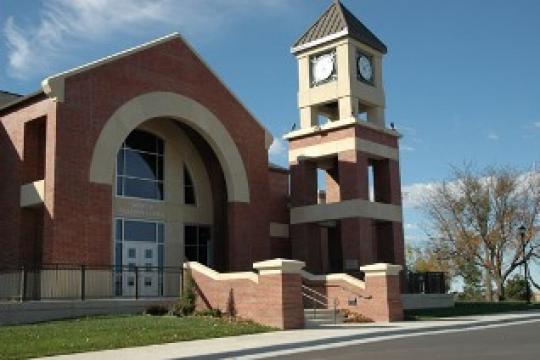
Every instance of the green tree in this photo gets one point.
(516, 288)
(474, 219)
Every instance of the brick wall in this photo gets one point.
(379, 301)
(273, 300)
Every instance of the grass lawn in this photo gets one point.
(111, 332)
(469, 308)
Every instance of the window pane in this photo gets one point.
(204, 234)
(190, 235)
(191, 253)
(118, 229)
(189, 189)
(160, 168)
(160, 256)
(203, 255)
(119, 186)
(187, 178)
(139, 231)
(161, 233)
(118, 254)
(143, 189)
(141, 165)
(143, 141)
(120, 163)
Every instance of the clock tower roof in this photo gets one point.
(335, 22)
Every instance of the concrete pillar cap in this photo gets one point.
(279, 266)
(381, 269)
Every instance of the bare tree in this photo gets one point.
(475, 216)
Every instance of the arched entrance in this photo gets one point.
(183, 109)
(177, 168)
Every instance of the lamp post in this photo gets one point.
(522, 231)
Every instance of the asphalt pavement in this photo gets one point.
(520, 341)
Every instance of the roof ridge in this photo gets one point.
(335, 22)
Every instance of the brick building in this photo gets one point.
(147, 158)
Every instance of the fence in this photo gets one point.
(426, 283)
(65, 281)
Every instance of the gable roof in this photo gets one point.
(53, 86)
(335, 22)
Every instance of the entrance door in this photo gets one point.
(141, 257)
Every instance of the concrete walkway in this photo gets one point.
(295, 341)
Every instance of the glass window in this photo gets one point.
(139, 166)
(148, 254)
(132, 253)
(196, 240)
(139, 231)
(189, 188)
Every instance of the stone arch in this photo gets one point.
(178, 107)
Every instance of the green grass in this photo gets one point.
(112, 332)
(469, 308)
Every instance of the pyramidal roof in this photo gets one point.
(335, 22)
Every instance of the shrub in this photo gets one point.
(354, 317)
(186, 305)
(156, 310)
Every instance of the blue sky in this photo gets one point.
(462, 78)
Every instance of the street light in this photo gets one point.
(522, 231)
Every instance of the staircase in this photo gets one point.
(317, 317)
(322, 310)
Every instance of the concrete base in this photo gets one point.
(427, 301)
(37, 311)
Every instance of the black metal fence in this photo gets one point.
(66, 281)
(426, 283)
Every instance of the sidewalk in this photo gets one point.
(280, 342)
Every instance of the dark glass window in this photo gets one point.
(139, 231)
(196, 240)
(139, 166)
(189, 188)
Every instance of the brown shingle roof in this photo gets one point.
(338, 18)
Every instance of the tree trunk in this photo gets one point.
(488, 285)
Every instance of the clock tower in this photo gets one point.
(345, 183)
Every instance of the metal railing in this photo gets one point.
(82, 282)
(426, 283)
(316, 298)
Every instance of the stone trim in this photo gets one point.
(178, 107)
(334, 277)
(339, 146)
(356, 208)
(279, 230)
(381, 269)
(279, 266)
(336, 125)
(214, 275)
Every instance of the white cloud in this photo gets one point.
(414, 195)
(278, 147)
(404, 147)
(537, 124)
(493, 136)
(64, 25)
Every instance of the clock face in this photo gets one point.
(365, 68)
(322, 68)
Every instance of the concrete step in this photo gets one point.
(321, 317)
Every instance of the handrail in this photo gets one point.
(324, 303)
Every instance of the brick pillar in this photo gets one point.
(353, 175)
(383, 284)
(303, 183)
(305, 238)
(280, 291)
